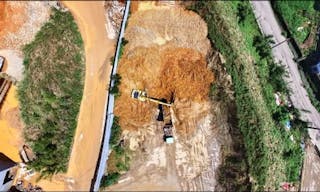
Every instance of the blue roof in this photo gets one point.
(315, 68)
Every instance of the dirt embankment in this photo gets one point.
(166, 58)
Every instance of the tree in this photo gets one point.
(262, 45)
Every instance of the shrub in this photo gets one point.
(51, 91)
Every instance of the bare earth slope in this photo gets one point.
(166, 64)
(166, 55)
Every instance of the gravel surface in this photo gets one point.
(15, 66)
(37, 13)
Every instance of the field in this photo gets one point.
(271, 156)
(51, 91)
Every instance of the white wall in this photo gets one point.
(7, 186)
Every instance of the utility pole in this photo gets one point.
(281, 42)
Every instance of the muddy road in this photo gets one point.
(98, 51)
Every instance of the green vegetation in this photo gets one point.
(110, 179)
(115, 88)
(298, 15)
(123, 43)
(115, 132)
(51, 91)
(271, 155)
(112, 61)
(302, 14)
(119, 160)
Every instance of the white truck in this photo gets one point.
(1, 62)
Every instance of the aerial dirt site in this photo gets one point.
(158, 96)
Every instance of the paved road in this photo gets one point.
(269, 26)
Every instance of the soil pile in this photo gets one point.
(19, 21)
(12, 17)
(166, 57)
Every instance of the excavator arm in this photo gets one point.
(142, 96)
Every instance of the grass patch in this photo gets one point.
(115, 88)
(298, 15)
(51, 91)
(123, 43)
(271, 155)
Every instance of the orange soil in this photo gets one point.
(12, 17)
(10, 126)
(178, 72)
(165, 56)
(98, 49)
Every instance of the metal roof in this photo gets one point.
(5, 162)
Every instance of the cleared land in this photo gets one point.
(98, 50)
(162, 60)
(166, 55)
(51, 91)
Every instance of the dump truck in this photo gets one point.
(168, 133)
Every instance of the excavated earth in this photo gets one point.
(169, 56)
(166, 58)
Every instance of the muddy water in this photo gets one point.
(98, 51)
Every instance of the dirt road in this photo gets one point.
(311, 170)
(98, 49)
(283, 54)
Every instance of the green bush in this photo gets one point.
(123, 43)
(110, 179)
(51, 91)
(115, 132)
(115, 88)
(297, 14)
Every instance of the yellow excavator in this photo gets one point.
(167, 129)
(142, 96)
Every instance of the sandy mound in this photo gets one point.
(165, 57)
